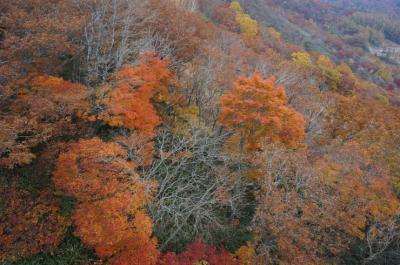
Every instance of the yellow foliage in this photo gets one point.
(202, 262)
(235, 5)
(302, 58)
(385, 73)
(186, 118)
(344, 68)
(246, 254)
(329, 71)
(325, 61)
(248, 26)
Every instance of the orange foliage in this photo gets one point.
(110, 217)
(186, 31)
(259, 112)
(116, 227)
(93, 169)
(129, 102)
(362, 186)
(246, 254)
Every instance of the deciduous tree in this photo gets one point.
(110, 216)
(258, 111)
(128, 98)
(248, 26)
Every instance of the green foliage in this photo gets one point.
(384, 73)
(67, 204)
(357, 254)
(29, 180)
(329, 72)
(237, 235)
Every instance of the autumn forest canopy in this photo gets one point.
(199, 132)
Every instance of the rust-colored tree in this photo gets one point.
(258, 111)
(36, 38)
(45, 107)
(28, 224)
(110, 216)
(315, 211)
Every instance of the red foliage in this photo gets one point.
(397, 82)
(199, 252)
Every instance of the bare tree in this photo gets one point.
(116, 33)
(383, 241)
(190, 5)
(305, 97)
(202, 83)
(198, 194)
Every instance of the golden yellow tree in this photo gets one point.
(248, 26)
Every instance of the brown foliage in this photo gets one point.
(28, 224)
(37, 37)
(185, 31)
(315, 211)
(44, 108)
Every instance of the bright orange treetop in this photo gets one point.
(93, 169)
(259, 112)
(129, 101)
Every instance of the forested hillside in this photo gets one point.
(199, 132)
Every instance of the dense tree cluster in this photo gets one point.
(202, 132)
